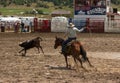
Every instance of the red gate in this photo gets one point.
(42, 26)
(95, 25)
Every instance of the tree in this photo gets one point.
(115, 2)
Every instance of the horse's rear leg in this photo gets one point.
(78, 58)
(76, 64)
(84, 55)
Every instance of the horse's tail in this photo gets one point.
(83, 53)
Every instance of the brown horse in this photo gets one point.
(75, 49)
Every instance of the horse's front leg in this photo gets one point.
(66, 61)
(76, 65)
(78, 58)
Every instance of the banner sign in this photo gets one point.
(90, 7)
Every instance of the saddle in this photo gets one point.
(68, 47)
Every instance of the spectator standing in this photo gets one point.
(2, 26)
(27, 23)
(22, 26)
(17, 26)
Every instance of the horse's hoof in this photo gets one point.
(69, 66)
(23, 54)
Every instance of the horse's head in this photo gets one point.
(58, 42)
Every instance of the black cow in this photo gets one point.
(30, 44)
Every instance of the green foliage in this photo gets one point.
(38, 2)
(61, 2)
(44, 6)
(18, 2)
(3, 2)
(117, 2)
(41, 4)
(40, 11)
(28, 4)
(55, 2)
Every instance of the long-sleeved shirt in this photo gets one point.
(71, 32)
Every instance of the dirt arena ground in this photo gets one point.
(103, 51)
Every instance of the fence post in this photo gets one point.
(87, 23)
(88, 26)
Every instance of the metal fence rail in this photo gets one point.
(113, 25)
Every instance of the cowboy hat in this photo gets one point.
(71, 25)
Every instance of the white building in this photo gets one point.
(59, 24)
